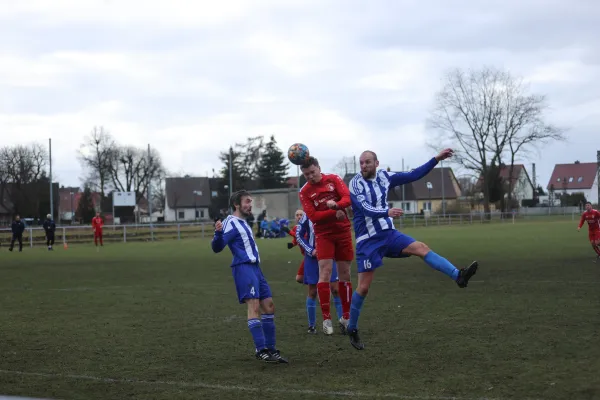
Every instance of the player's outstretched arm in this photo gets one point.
(314, 215)
(402, 178)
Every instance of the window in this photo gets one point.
(570, 179)
(202, 214)
(197, 214)
(406, 206)
(181, 215)
(213, 193)
(580, 179)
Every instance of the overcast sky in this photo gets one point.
(191, 77)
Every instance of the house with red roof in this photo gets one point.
(574, 178)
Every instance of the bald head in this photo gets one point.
(369, 153)
(368, 164)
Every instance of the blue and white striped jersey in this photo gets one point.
(305, 235)
(238, 236)
(369, 198)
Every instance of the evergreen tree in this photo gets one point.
(272, 169)
(85, 209)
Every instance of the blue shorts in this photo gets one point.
(250, 282)
(389, 243)
(311, 271)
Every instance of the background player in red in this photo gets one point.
(593, 219)
(97, 224)
(325, 198)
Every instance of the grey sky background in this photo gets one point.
(193, 77)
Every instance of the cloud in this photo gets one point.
(194, 77)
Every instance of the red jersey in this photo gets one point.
(314, 199)
(97, 223)
(593, 219)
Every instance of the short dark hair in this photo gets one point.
(588, 202)
(310, 162)
(236, 198)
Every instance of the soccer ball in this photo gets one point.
(298, 154)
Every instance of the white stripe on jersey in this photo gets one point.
(249, 244)
(370, 201)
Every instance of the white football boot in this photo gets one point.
(327, 327)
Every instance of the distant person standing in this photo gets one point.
(17, 228)
(49, 228)
(97, 224)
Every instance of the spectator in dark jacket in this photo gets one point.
(17, 228)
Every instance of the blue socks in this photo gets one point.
(338, 306)
(311, 311)
(355, 307)
(258, 335)
(268, 326)
(441, 264)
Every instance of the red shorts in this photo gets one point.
(301, 269)
(594, 236)
(98, 234)
(337, 247)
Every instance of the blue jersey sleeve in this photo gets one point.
(224, 237)
(402, 178)
(303, 229)
(359, 199)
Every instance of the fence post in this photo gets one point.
(64, 235)
(30, 237)
(124, 234)
(202, 231)
(414, 221)
(178, 231)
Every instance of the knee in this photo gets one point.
(268, 306)
(419, 249)
(362, 289)
(312, 292)
(299, 279)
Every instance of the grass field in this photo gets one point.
(161, 321)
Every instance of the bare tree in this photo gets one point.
(347, 165)
(132, 169)
(20, 166)
(488, 115)
(95, 155)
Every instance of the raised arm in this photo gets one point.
(359, 200)
(314, 215)
(224, 234)
(402, 178)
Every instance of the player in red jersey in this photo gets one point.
(324, 199)
(593, 219)
(97, 224)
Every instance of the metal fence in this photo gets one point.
(73, 234)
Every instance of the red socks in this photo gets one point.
(324, 291)
(345, 289)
